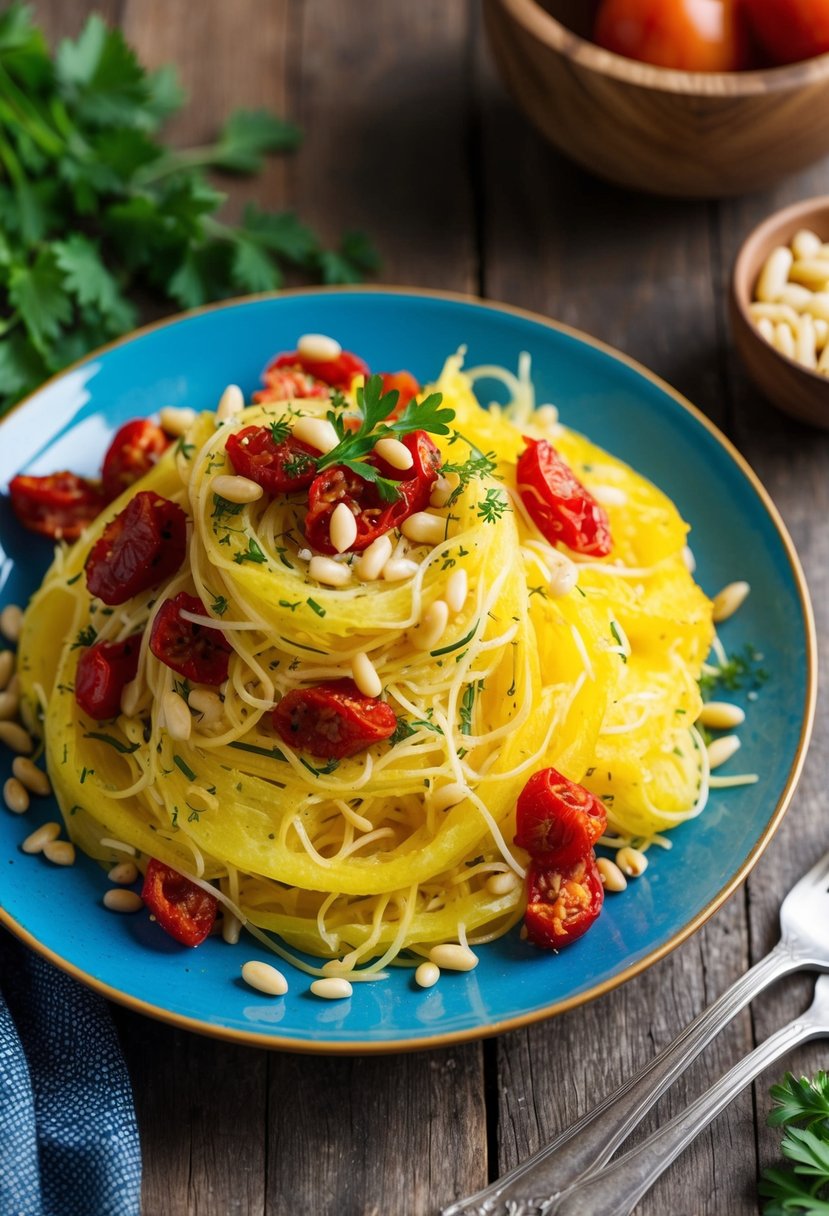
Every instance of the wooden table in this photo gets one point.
(409, 136)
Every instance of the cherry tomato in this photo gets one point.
(59, 506)
(690, 35)
(278, 468)
(134, 450)
(562, 903)
(374, 515)
(140, 548)
(336, 373)
(286, 384)
(790, 30)
(103, 671)
(559, 505)
(183, 909)
(558, 821)
(406, 387)
(333, 719)
(196, 652)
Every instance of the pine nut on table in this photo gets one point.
(34, 778)
(16, 796)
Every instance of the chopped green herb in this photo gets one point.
(223, 508)
(456, 645)
(126, 749)
(326, 769)
(493, 506)
(85, 637)
(617, 637)
(184, 449)
(184, 767)
(315, 607)
(252, 554)
(71, 581)
(468, 704)
(271, 753)
(476, 467)
(742, 670)
(287, 604)
(280, 430)
(219, 605)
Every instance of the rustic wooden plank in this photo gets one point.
(792, 461)
(635, 272)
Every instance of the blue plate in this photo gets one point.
(737, 533)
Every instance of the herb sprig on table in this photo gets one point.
(98, 216)
(801, 1107)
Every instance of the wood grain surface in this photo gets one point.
(409, 136)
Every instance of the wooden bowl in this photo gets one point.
(791, 387)
(691, 134)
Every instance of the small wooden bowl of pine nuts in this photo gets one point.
(780, 309)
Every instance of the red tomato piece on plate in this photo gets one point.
(134, 449)
(406, 387)
(141, 547)
(197, 652)
(333, 720)
(183, 909)
(557, 820)
(279, 468)
(58, 506)
(102, 673)
(562, 903)
(336, 373)
(287, 384)
(558, 504)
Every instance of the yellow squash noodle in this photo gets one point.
(375, 858)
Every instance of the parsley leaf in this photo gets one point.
(801, 1107)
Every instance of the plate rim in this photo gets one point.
(472, 1034)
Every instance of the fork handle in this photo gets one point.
(585, 1146)
(615, 1190)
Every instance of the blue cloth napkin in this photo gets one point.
(68, 1135)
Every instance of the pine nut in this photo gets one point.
(9, 706)
(236, 489)
(563, 578)
(16, 796)
(394, 453)
(806, 244)
(11, 622)
(427, 975)
(365, 675)
(443, 489)
(324, 570)
(319, 348)
(332, 988)
(609, 496)
(765, 329)
(34, 778)
(795, 296)
(722, 750)
(264, 978)
(318, 433)
(424, 528)
(175, 420)
(818, 305)
(207, 704)
(342, 528)
(124, 873)
(451, 957)
(721, 715)
(176, 716)
(40, 837)
(131, 695)
(119, 899)
(457, 589)
(398, 569)
(774, 274)
(231, 928)
(373, 559)
(448, 795)
(784, 340)
(631, 862)
(821, 333)
(231, 403)
(6, 667)
(612, 877)
(688, 559)
(813, 272)
(59, 852)
(780, 314)
(805, 342)
(823, 362)
(546, 416)
(15, 737)
(432, 626)
(729, 599)
(502, 884)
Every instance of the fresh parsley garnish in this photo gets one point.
(740, 671)
(493, 505)
(184, 767)
(280, 430)
(252, 554)
(99, 216)
(219, 605)
(86, 637)
(478, 465)
(801, 1107)
(223, 508)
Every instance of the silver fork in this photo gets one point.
(583, 1148)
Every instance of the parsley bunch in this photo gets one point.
(97, 214)
(802, 1108)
